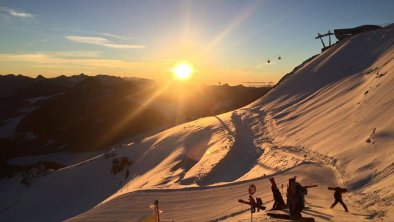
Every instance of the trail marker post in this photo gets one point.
(156, 210)
(252, 189)
(258, 203)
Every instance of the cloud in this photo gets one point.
(74, 54)
(105, 34)
(53, 59)
(7, 12)
(94, 40)
(115, 36)
(20, 14)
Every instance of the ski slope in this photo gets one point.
(329, 123)
(220, 202)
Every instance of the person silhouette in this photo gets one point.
(279, 203)
(338, 198)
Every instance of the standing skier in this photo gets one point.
(296, 201)
(279, 203)
(338, 198)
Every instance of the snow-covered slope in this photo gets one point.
(329, 123)
(341, 104)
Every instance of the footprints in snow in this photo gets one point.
(369, 139)
(378, 75)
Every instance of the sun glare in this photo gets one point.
(182, 71)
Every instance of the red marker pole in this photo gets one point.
(251, 190)
(157, 211)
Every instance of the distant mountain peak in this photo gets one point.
(40, 77)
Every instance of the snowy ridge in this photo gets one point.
(329, 123)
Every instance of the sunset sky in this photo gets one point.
(225, 41)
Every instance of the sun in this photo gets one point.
(183, 71)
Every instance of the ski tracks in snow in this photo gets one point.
(241, 157)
